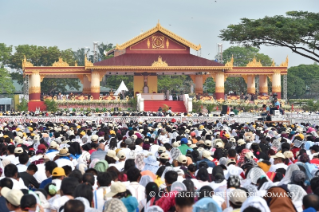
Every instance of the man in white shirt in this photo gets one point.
(137, 190)
(64, 159)
(11, 155)
(11, 171)
(138, 145)
(23, 160)
(53, 150)
(99, 195)
(121, 162)
(278, 162)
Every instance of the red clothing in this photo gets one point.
(295, 150)
(315, 162)
(91, 151)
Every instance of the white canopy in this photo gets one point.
(121, 88)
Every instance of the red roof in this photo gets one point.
(148, 59)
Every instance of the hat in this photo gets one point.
(193, 134)
(114, 205)
(116, 187)
(175, 144)
(220, 145)
(249, 155)
(238, 196)
(241, 142)
(128, 141)
(58, 172)
(264, 166)
(279, 155)
(182, 159)
(206, 154)
(82, 133)
(193, 146)
(42, 147)
(121, 155)
(53, 145)
(112, 154)
(18, 150)
(12, 195)
(184, 141)
(164, 156)
(289, 154)
(231, 160)
(297, 143)
(94, 137)
(63, 152)
(161, 149)
(208, 143)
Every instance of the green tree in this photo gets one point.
(171, 82)
(79, 56)
(5, 53)
(104, 47)
(209, 86)
(242, 56)
(6, 85)
(114, 81)
(298, 31)
(296, 87)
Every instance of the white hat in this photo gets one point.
(208, 143)
(94, 138)
(175, 144)
(13, 196)
(279, 155)
(18, 150)
(164, 156)
(116, 187)
(53, 145)
(112, 154)
(182, 159)
(121, 155)
(161, 149)
(241, 142)
(206, 154)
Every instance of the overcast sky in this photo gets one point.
(77, 23)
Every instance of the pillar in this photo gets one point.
(198, 84)
(34, 87)
(251, 84)
(263, 84)
(86, 85)
(152, 84)
(219, 86)
(95, 85)
(276, 84)
(138, 83)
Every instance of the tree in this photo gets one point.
(5, 53)
(209, 85)
(296, 87)
(115, 81)
(242, 56)
(6, 84)
(104, 47)
(170, 82)
(79, 56)
(298, 31)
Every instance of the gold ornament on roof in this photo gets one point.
(158, 28)
(60, 63)
(87, 62)
(167, 43)
(285, 64)
(148, 43)
(231, 62)
(273, 63)
(254, 63)
(25, 63)
(159, 63)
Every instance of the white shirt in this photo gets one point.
(40, 174)
(99, 197)
(64, 162)
(51, 155)
(274, 167)
(137, 191)
(59, 202)
(22, 168)
(138, 149)
(154, 149)
(233, 170)
(18, 184)
(12, 158)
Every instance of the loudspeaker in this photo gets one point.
(224, 109)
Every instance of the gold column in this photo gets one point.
(86, 85)
(198, 84)
(35, 86)
(251, 84)
(95, 85)
(263, 84)
(219, 85)
(276, 84)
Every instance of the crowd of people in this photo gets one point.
(158, 166)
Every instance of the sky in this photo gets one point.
(78, 23)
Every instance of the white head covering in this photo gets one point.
(297, 194)
(178, 186)
(287, 177)
(256, 202)
(154, 208)
(145, 179)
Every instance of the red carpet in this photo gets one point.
(177, 106)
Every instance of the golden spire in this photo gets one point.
(231, 62)
(285, 64)
(273, 63)
(60, 63)
(87, 62)
(25, 63)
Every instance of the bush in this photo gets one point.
(51, 105)
(133, 102)
(197, 106)
(23, 106)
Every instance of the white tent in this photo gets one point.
(121, 88)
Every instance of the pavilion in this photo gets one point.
(155, 52)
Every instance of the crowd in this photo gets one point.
(155, 167)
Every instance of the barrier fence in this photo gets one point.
(124, 119)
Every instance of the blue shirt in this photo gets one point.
(3, 206)
(45, 182)
(277, 104)
(209, 163)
